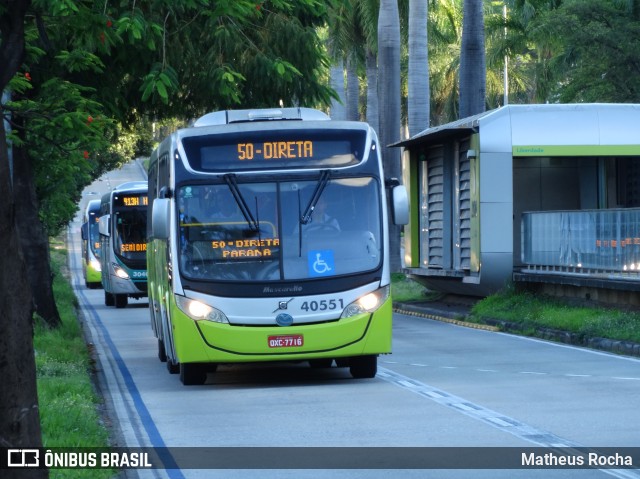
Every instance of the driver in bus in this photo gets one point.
(321, 217)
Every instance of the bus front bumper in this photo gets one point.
(205, 341)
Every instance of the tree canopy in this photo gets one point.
(93, 69)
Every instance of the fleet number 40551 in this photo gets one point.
(322, 305)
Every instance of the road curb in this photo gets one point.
(624, 348)
(403, 308)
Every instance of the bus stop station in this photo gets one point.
(542, 195)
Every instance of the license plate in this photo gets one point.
(289, 341)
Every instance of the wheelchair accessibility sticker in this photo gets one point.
(321, 262)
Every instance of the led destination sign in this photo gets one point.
(243, 248)
(131, 200)
(133, 248)
(274, 149)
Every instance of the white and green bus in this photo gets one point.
(269, 242)
(91, 269)
(123, 241)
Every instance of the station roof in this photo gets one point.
(462, 127)
(574, 124)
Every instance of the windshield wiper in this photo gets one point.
(305, 218)
(232, 183)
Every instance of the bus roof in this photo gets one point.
(132, 185)
(225, 117)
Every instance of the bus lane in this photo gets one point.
(444, 386)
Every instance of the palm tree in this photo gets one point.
(367, 14)
(353, 89)
(338, 108)
(389, 96)
(473, 69)
(418, 72)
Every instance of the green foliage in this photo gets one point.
(404, 289)
(69, 405)
(567, 51)
(93, 71)
(160, 80)
(66, 136)
(534, 311)
(599, 59)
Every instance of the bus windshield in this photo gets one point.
(130, 241)
(259, 231)
(94, 235)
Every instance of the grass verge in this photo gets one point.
(534, 312)
(69, 405)
(405, 289)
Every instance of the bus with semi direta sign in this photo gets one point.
(123, 243)
(268, 241)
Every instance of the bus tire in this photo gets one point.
(121, 300)
(162, 354)
(109, 299)
(320, 363)
(342, 362)
(363, 367)
(172, 367)
(192, 374)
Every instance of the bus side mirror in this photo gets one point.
(400, 207)
(84, 231)
(160, 218)
(103, 226)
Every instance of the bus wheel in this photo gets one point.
(192, 374)
(121, 300)
(320, 363)
(109, 300)
(172, 367)
(362, 367)
(162, 354)
(342, 362)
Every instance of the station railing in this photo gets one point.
(603, 243)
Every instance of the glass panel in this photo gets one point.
(131, 233)
(218, 241)
(94, 235)
(606, 240)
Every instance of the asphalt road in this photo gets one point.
(445, 386)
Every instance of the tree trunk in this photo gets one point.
(372, 91)
(389, 95)
(353, 90)
(418, 76)
(338, 108)
(33, 238)
(473, 70)
(19, 414)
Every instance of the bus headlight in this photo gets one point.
(95, 264)
(367, 303)
(119, 271)
(199, 311)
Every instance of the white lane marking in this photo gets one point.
(493, 418)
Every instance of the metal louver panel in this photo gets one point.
(435, 212)
(464, 207)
